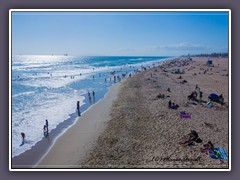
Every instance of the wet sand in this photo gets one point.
(74, 145)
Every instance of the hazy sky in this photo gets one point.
(119, 33)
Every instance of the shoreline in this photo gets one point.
(30, 157)
(79, 146)
(33, 156)
(82, 130)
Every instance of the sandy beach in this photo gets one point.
(133, 128)
(71, 148)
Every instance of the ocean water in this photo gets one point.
(48, 87)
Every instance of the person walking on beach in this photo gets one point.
(46, 124)
(23, 137)
(89, 98)
(78, 108)
(93, 93)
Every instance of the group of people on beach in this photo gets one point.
(45, 132)
(193, 137)
(45, 129)
(207, 148)
(90, 100)
(172, 105)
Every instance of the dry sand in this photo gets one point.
(138, 130)
(144, 132)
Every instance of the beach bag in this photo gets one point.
(209, 104)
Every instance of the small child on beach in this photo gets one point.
(45, 131)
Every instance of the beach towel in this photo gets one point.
(183, 114)
(219, 153)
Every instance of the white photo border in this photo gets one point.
(114, 10)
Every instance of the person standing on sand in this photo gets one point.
(200, 95)
(196, 87)
(170, 104)
(23, 138)
(93, 93)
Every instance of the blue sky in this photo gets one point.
(119, 33)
